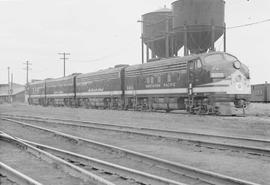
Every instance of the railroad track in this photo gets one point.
(9, 175)
(130, 176)
(174, 171)
(36, 162)
(251, 146)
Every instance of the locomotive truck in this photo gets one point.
(208, 83)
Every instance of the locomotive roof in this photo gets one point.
(261, 84)
(169, 61)
(60, 79)
(37, 82)
(52, 80)
(100, 72)
(161, 62)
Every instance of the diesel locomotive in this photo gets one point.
(208, 83)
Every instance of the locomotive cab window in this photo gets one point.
(198, 64)
(195, 64)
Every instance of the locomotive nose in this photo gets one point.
(239, 82)
(238, 78)
(236, 65)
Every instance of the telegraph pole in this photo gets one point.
(27, 63)
(11, 83)
(64, 59)
(8, 84)
(8, 76)
(11, 88)
(142, 40)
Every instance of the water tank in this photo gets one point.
(155, 27)
(199, 18)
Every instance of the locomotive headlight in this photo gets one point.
(239, 86)
(237, 65)
(238, 78)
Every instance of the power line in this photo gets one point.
(98, 59)
(64, 60)
(249, 24)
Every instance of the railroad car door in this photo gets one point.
(193, 67)
(190, 76)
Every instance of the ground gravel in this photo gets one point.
(253, 168)
(33, 167)
(252, 126)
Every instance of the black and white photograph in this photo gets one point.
(145, 92)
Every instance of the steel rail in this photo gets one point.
(192, 172)
(140, 128)
(124, 172)
(165, 134)
(16, 176)
(69, 168)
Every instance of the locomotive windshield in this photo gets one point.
(217, 58)
(213, 59)
(230, 58)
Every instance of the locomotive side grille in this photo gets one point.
(109, 76)
(60, 83)
(153, 72)
(157, 69)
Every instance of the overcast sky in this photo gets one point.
(100, 34)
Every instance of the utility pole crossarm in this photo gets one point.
(27, 63)
(64, 60)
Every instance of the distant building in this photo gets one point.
(17, 93)
(35, 80)
(260, 93)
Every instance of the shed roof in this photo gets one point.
(17, 88)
